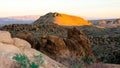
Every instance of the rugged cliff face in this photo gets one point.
(62, 19)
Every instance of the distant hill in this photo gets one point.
(28, 17)
(107, 23)
(62, 19)
(19, 19)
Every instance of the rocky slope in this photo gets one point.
(68, 45)
(56, 47)
(62, 19)
(49, 45)
(11, 46)
(108, 37)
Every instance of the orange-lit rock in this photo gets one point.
(69, 20)
(101, 22)
(62, 19)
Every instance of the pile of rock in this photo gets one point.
(11, 46)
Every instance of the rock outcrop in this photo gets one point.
(62, 19)
(28, 36)
(118, 21)
(19, 46)
(21, 43)
(109, 23)
(78, 43)
(5, 37)
(67, 51)
(53, 45)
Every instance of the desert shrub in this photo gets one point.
(112, 57)
(39, 59)
(107, 51)
(88, 60)
(25, 62)
(79, 66)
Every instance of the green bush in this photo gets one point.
(24, 62)
(79, 66)
(88, 60)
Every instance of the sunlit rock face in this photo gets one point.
(118, 21)
(62, 19)
(69, 20)
(101, 22)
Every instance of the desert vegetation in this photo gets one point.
(72, 46)
(104, 42)
(25, 62)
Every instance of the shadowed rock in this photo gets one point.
(70, 51)
(53, 45)
(78, 43)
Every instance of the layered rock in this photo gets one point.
(62, 19)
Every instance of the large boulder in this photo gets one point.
(8, 50)
(48, 62)
(28, 36)
(5, 37)
(8, 63)
(53, 46)
(21, 43)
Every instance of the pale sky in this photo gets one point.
(87, 8)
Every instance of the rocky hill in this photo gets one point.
(18, 19)
(52, 42)
(107, 23)
(69, 44)
(103, 40)
(67, 51)
(62, 19)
